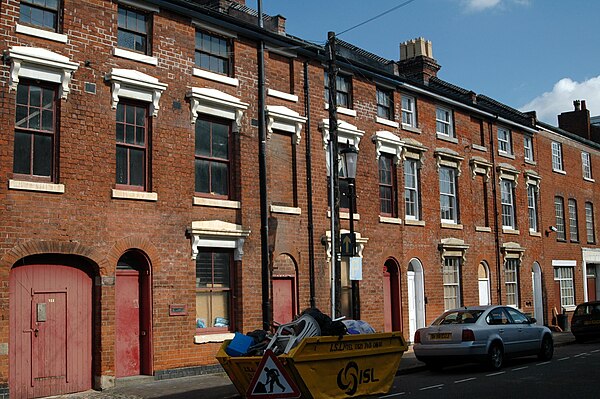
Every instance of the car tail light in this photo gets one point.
(468, 335)
(417, 337)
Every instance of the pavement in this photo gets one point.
(218, 385)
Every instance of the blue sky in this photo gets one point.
(529, 54)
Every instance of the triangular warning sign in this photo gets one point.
(271, 380)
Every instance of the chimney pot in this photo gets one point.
(576, 104)
(583, 107)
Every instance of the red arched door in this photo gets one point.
(50, 328)
(391, 297)
(133, 316)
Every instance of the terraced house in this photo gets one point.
(130, 228)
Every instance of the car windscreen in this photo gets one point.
(458, 317)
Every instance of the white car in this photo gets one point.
(485, 334)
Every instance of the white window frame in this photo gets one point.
(507, 199)
(573, 221)
(446, 122)
(451, 195)
(532, 194)
(589, 223)
(451, 277)
(413, 165)
(511, 281)
(586, 165)
(564, 276)
(559, 212)
(528, 148)
(557, 158)
(504, 141)
(409, 116)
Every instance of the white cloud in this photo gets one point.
(481, 5)
(548, 105)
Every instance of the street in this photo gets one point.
(572, 373)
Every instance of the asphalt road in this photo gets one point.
(572, 373)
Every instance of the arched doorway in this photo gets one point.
(483, 275)
(133, 309)
(51, 308)
(284, 289)
(416, 297)
(538, 302)
(392, 297)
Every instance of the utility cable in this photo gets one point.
(377, 16)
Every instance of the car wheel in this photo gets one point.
(547, 348)
(495, 356)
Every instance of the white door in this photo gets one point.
(538, 304)
(484, 292)
(412, 306)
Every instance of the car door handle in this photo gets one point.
(501, 330)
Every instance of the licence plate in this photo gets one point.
(440, 336)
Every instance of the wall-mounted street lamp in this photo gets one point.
(349, 157)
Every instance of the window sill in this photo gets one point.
(345, 215)
(217, 203)
(390, 220)
(208, 338)
(453, 226)
(343, 110)
(36, 186)
(282, 95)
(535, 233)
(447, 138)
(131, 55)
(134, 195)
(412, 129)
(412, 222)
(386, 122)
(559, 171)
(290, 210)
(215, 77)
(508, 230)
(483, 229)
(569, 308)
(589, 179)
(479, 147)
(530, 162)
(506, 155)
(45, 34)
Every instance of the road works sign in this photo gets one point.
(271, 380)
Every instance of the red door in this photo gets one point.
(591, 286)
(128, 323)
(391, 298)
(49, 341)
(284, 304)
(50, 350)
(387, 302)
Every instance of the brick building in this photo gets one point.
(130, 236)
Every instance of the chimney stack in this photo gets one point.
(416, 60)
(577, 121)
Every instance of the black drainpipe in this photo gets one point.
(262, 167)
(311, 249)
(495, 202)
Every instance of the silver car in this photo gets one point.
(485, 334)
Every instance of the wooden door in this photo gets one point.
(127, 296)
(387, 302)
(591, 288)
(284, 303)
(50, 330)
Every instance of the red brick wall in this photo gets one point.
(104, 228)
